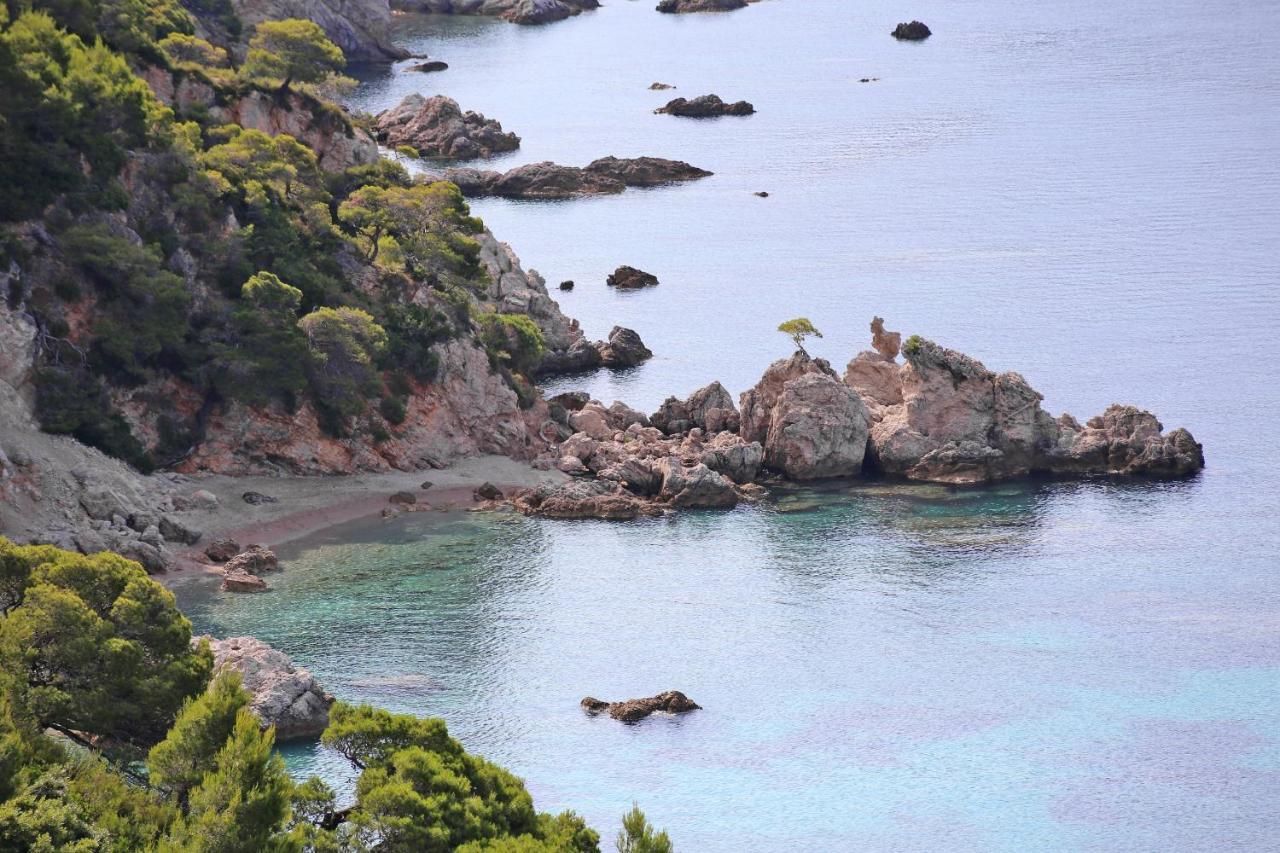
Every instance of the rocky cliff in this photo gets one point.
(362, 28)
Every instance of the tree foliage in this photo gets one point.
(638, 835)
(291, 50)
(798, 330)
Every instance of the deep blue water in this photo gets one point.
(1085, 193)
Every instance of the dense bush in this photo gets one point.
(71, 401)
(344, 345)
(513, 340)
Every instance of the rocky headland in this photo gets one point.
(937, 416)
(547, 180)
(437, 127)
(705, 106)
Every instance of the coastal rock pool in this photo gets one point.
(882, 667)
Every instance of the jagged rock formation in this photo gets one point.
(681, 6)
(547, 180)
(634, 710)
(515, 11)
(437, 127)
(360, 27)
(705, 106)
(913, 31)
(338, 143)
(817, 430)
(623, 349)
(285, 696)
(710, 409)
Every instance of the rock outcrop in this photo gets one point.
(943, 417)
(680, 6)
(285, 696)
(634, 710)
(710, 409)
(705, 106)
(817, 429)
(623, 349)
(547, 180)
(515, 11)
(437, 127)
(630, 278)
(913, 31)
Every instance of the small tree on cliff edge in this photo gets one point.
(292, 50)
(799, 329)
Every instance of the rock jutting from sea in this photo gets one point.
(674, 7)
(705, 106)
(938, 416)
(547, 180)
(282, 694)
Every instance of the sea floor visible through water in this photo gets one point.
(1085, 193)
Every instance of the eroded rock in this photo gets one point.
(630, 278)
(634, 710)
(912, 31)
(283, 695)
(437, 127)
(705, 106)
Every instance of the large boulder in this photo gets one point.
(729, 455)
(757, 403)
(818, 429)
(283, 695)
(710, 408)
(437, 127)
(254, 560)
(705, 106)
(623, 349)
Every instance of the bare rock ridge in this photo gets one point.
(515, 11)
(547, 180)
(705, 106)
(939, 416)
(283, 695)
(437, 127)
(634, 710)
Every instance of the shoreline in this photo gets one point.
(306, 505)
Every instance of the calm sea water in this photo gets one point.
(1084, 193)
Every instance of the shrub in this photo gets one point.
(344, 344)
(392, 410)
(289, 50)
(913, 345)
(70, 401)
(513, 340)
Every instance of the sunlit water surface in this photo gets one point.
(1084, 193)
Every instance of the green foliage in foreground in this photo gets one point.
(95, 650)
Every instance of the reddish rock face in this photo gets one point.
(437, 127)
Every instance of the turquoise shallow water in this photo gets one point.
(1085, 193)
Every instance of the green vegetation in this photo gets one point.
(291, 50)
(913, 345)
(195, 277)
(638, 835)
(147, 754)
(798, 330)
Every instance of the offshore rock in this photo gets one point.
(254, 560)
(283, 695)
(630, 278)
(913, 31)
(646, 171)
(705, 106)
(634, 710)
(547, 180)
(681, 6)
(1123, 440)
(242, 581)
(623, 349)
(758, 403)
(437, 127)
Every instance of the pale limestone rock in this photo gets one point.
(817, 429)
(284, 695)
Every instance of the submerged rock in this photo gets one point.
(283, 695)
(705, 106)
(634, 710)
(913, 31)
(437, 127)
